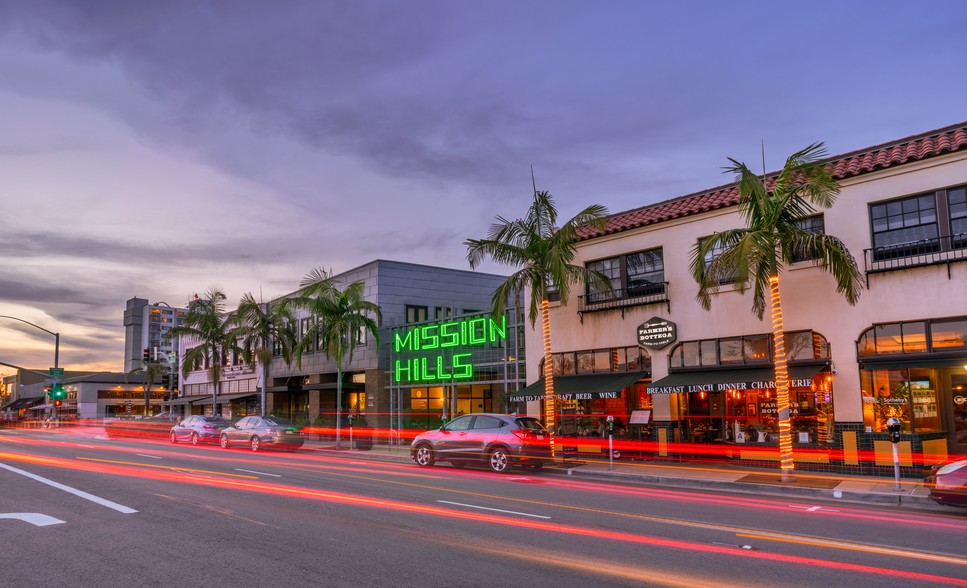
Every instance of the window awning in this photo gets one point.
(22, 403)
(800, 376)
(221, 398)
(580, 387)
(178, 401)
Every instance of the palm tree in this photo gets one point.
(151, 372)
(774, 237)
(339, 318)
(206, 324)
(260, 327)
(544, 253)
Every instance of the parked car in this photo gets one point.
(498, 440)
(153, 426)
(262, 432)
(948, 483)
(199, 429)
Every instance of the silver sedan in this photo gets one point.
(263, 432)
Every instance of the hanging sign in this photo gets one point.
(657, 332)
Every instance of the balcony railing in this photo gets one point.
(916, 254)
(622, 298)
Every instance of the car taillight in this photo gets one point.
(523, 434)
(270, 431)
(209, 427)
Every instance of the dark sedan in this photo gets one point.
(199, 429)
(948, 483)
(263, 432)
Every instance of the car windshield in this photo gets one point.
(529, 423)
(279, 422)
(218, 421)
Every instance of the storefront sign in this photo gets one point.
(657, 332)
(442, 351)
(724, 386)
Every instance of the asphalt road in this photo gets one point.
(156, 514)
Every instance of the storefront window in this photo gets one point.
(690, 353)
(948, 335)
(708, 349)
(909, 395)
(730, 350)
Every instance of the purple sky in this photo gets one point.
(153, 149)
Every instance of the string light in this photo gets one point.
(786, 463)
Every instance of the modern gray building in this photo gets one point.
(407, 294)
(146, 327)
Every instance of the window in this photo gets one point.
(814, 224)
(914, 337)
(636, 274)
(898, 226)
(747, 350)
(957, 209)
(724, 276)
(611, 269)
(416, 314)
(487, 422)
(645, 272)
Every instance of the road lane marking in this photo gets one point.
(814, 508)
(259, 473)
(523, 514)
(146, 455)
(80, 493)
(164, 467)
(34, 518)
(849, 546)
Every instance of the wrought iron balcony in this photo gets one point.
(943, 250)
(621, 298)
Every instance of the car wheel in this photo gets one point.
(194, 438)
(499, 462)
(223, 441)
(534, 466)
(256, 443)
(424, 456)
(173, 438)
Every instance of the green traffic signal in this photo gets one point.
(57, 392)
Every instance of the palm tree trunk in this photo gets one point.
(339, 407)
(786, 464)
(550, 399)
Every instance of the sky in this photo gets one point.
(156, 149)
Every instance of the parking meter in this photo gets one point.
(893, 426)
(610, 424)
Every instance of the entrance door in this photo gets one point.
(958, 411)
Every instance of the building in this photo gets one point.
(409, 295)
(159, 318)
(89, 395)
(706, 376)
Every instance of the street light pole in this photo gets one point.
(56, 348)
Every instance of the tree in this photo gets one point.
(544, 253)
(339, 319)
(205, 323)
(260, 328)
(151, 372)
(774, 237)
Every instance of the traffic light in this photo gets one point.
(146, 356)
(57, 403)
(57, 392)
(166, 381)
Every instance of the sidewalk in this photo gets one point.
(711, 476)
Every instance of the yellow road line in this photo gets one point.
(172, 468)
(950, 559)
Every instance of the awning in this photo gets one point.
(22, 403)
(221, 398)
(800, 376)
(580, 387)
(332, 386)
(178, 401)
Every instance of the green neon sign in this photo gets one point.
(424, 349)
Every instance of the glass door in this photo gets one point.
(958, 412)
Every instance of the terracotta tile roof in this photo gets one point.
(878, 157)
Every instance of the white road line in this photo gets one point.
(523, 514)
(259, 473)
(34, 518)
(151, 456)
(74, 491)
